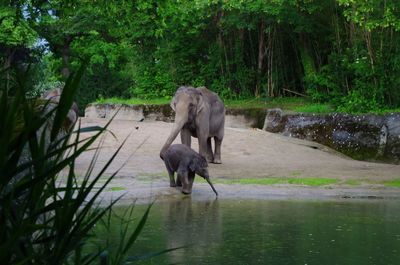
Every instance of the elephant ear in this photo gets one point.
(200, 102)
(197, 163)
(193, 164)
(173, 103)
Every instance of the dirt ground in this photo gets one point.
(246, 153)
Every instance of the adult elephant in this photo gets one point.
(200, 113)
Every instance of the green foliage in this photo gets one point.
(295, 104)
(341, 52)
(14, 30)
(314, 108)
(101, 81)
(358, 101)
(43, 76)
(47, 212)
(43, 220)
(152, 83)
(134, 101)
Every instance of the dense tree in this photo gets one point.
(342, 51)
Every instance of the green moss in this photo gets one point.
(279, 180)
(312, 181)
(117, 188)
(351, 182)
(392, 183)
(134, 101)
(253, 103)
(380, 111)
(314, 108)
(261, 181)
(283, 103)
(286, 103)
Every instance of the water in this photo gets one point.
(272, 232)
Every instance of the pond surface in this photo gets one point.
(272, 232)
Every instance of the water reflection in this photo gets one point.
(191, 224)
(273, 232)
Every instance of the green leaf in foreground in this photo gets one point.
(47, 212)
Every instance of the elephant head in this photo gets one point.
(187, 103)
(199, 165)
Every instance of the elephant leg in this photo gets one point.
(209, 149)
(186, 137)
(171, 178)
(203, 148)
(217, 154)
(171, 175)
(203, 132)
(191, 180)
(183, 175)
(178, 182)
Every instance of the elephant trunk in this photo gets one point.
(180, 120)
(212, 186)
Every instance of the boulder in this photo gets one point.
(273, 120)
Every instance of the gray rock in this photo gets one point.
(366, 137)
(273, 120)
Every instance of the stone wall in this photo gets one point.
(238, 118)
(366, 137)
(130, 112)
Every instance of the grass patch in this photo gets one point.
(392, 183)
(117, 188)
(134, 101)
(352, 182)
(314, 108)
(279, 180)
(381, 111)
(284, 103)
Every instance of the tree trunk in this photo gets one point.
(307, 60)
(65, 54)
(220, 41)
(261, 47)
(270, 63)
(7, 64)
(370, 49)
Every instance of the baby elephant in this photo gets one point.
(186, 162)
